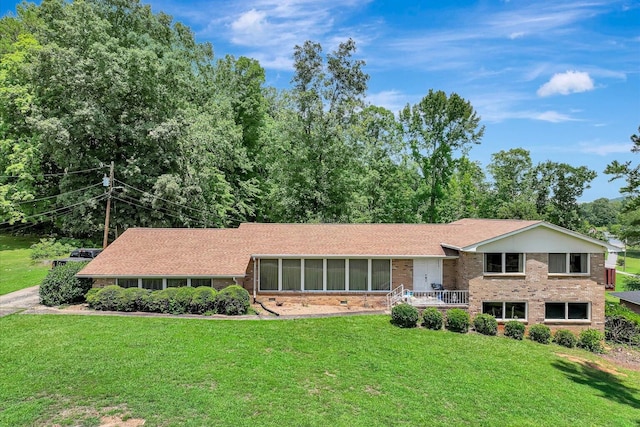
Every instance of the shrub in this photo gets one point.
(108, 298)
(49, 249)
(565, 338)
(404, 315)
(61, 286)
(203, 300)
(540, 333)
(181, 301)
(632, 283)
(161, 301)
(232, 300)
(591, 339)
(134, 299)
(458, 320)
(432, 319)
(514, 329)
(485, 324)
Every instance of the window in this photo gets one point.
(269, 274)
(291, 275)
(176, 283)
(127, 283)
(500, 263)
(313, 274)
(153, 284)
(574, 263)
(335, 275)
(380, 275)
(198, 282)
(566, 311)
(506, 310)
(358, 274)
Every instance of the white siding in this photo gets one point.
(542, 240)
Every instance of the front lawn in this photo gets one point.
(335, 371)
(17, 271)
(632, 261)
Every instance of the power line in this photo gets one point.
(164, 210)
(57, 210)
(58, 195)
(159, 198)
(46, 175)
(151, 208)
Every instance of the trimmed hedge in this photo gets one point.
(485, 324)
(432, 319)
(514, 329)
(458, 320)
(404, 315)
(565, 338)
(201, 300)
(540, 333)
(61, 286)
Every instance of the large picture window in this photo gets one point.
(128, 283)
(572, 263)
(335, 275)
(313, 274)
(268, 274)
(506, 310)
(200, 282)
(380, 275)
(152, 284)
(566, 311)
(291, 275)
(503, 263)
(358, 274)
(176, 283)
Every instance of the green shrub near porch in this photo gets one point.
(458, 320)
(405, 315)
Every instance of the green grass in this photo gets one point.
(632, 261)
(349, 371)
(17, 271)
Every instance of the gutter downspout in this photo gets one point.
(255, 273)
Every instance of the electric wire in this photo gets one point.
(57, 195)
(153, 209)
(46, 175)
(57, 210)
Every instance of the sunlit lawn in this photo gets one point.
(17, 271)
(350, 371)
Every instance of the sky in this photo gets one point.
(558, 78)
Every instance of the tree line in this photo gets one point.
(200, 141)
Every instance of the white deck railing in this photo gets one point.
(435, 298)
(395, 296)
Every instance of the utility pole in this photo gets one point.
(105, 240)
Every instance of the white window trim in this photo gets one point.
(504, 266)
(504, 303)
(325, 275)
(566, 312)
(567, 267)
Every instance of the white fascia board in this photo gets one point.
(159, 276)
(342, 256)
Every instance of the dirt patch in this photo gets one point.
(293, 309)
(625, 357)
(591, 364)
(116, 421)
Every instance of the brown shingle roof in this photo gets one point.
(183, 252)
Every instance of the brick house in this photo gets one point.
(531, 271)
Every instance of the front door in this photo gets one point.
(425, 272)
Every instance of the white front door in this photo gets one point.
(425, 272)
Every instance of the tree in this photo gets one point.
(435, 129)
(313, 178)
(512, 192)
(629, 173)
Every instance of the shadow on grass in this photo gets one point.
(608, 384)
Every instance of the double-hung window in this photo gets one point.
(503, 263)
(568, 263)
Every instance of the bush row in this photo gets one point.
(232, 300)
(457, 320)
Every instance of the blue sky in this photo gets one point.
(558, 78)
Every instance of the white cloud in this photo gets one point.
(553, 117)
(566, 83)
(605, 149)
(252, 20)
(392, 100)
(516, 35)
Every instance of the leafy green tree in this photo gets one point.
(436, 129)
(467, 194)
(512, 192)
(630, 174)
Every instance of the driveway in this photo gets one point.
(19, 300)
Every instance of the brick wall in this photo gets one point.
(450, 274)
(402, 273)
(536, 287)
(101, 283)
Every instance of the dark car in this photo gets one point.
(78, 255)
